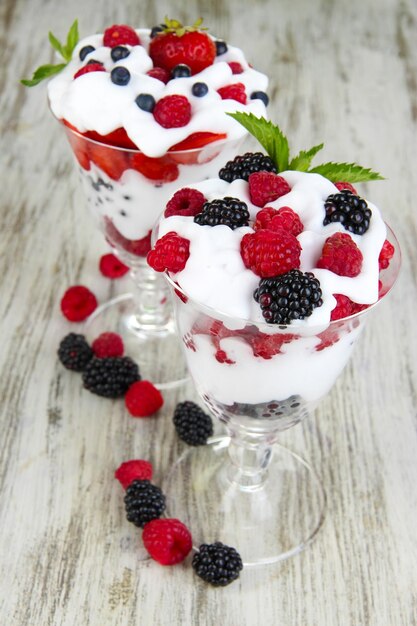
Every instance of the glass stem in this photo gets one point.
(248, 460)
(152, 300)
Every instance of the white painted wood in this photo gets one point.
(341, 72)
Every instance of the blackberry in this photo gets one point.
(74, 352)
(191, 423)
(231, 212)
(348, 209)
(246, 164)
(143, 502)
(110, 377)
(217, 564)
(290, 296)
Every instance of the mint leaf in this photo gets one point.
(55, 43)
(302, 161)
(44, 71)
(346, 172)
(72, 40)
(269, 136)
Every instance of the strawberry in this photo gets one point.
(162, 169)
(187, 45)
(118, 138)
(198, 140)
(112, 162)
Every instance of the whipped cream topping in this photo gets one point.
(92, 102)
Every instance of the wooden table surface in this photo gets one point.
(341, 72)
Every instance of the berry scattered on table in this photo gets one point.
(143, 399)
(120, 34)
(348, 209)
(228, 211)
(74, 352)
(292, 296)
(265, 187)
(136, 469)
(192, 424)
(90, 67)
(217, 564)
(77, 303)
(268, 253)
(143, 502)
(108, 344)
(242, 166)
(110, 377)
(168, 541)
(112, 267)
(185, 201)
(341, 255)
(170, 253)
(386, 254)
(233, 92)
(172, 111)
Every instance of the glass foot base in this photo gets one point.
(265, 524)
(156, 349)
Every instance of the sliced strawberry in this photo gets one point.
(113, 162)
(198, 140)
(159, 169)
(118, 137)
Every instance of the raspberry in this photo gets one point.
(110, 377)
(230, 212)
(143, 399)
(108, 344)
(347, 186)
(343, 308)
(172, 111)
(269, 253)
(267, 346)
(185, 202)
(233, 92)
(191, 423)
(292, 296)
(242, 166)
(217, 564)
(235, 67)
(168, 541)
(143, 502)
(170, 253)
(74, 352)
(77, 303)
(266, 187)
(348, 209)
(90, 67)
(276, 219)
(120, 34)
(159, 73)
(133, 470)
(386, 254)
(112, 267)
(341, 255)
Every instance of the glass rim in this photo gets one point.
(298, 329)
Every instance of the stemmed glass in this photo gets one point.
(126, 192)
(258, 379)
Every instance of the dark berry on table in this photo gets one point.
(120, 76)
(217, 564)
(231, 212)
(350, 210)
(84, 51)
(260, 95)
(199, 90)
(143, 502)
(221, 47)
(110, 377)
(246, 164)
(74, 352)
(191, 423)
(119, 52)
(181, 71)
(146, 102)
(157, 29)
(290, 296)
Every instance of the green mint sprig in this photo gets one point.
(64, 49)
(276, 145)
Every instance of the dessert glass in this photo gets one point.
(258, 379)
(126, 192)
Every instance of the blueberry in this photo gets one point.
(118, 53)
(199, 90)
(221, 47)
(84, 51)
(94, 62)
(146, 102)
(157, 29)
(120, 75)
(180, 71)
(260, 95)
